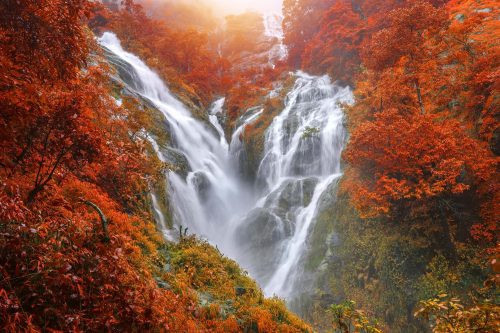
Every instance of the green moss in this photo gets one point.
(116, 91)
(161, 191)
(219, 281)
(384, 266)
(254, 134)
(159, 127)
(309, 132)
(322, 228)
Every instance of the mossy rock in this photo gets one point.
(177, 161)
(261, 236)
(254, 135)
(285, 197)
(202, 185)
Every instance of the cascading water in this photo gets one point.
(215, 111)
(236, 148)
(266, 231)
(209, 196)
(301, 162)
(274, 30)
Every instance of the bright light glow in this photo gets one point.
(239, 6)
(226, 7)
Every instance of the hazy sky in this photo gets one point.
(225, 7)
(238, 6)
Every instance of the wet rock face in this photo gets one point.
(178, 160)
(246, 155)
(263, 228)
(290, 127)
(124, 70)
(246, 168)
(266, 230)
(306, 161)
(263, 234)
(292, 194)
(202, 185)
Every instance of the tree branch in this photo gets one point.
(104, 220)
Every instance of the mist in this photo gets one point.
(227, 7)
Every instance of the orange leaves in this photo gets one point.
(407, 29)
(301, 23)
(49, 106)
(45, 37)
(380, 32)
(182, 57)
(11, 205)
(58, 133)
(343, 27)
(412, 157)
(335, 48)
(75, 282)
(472, 57)
(64, 140)
(422, 105)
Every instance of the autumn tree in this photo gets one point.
(300, 24)
(47, 102)
(470, 54)
(344, 28)
(335, 48)
(408, 150)
(401, 42)
(191, 66)
(469, 61)
(408, 160)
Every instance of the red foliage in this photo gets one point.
(57, 132)
(407, 29)
(418, 141)
(300, 24)
(346, 27)
(335, 48)
(472, 57)
(404, 160)
(190, 65)
(47, 103)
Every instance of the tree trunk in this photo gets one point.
(419, 95)
(356, 7)
(32, 195)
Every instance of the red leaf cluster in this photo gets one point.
(425, 122)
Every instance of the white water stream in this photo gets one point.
(273, 29)
(265, 228)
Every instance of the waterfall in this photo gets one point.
(306, 139)
(265, 228)
(274, 30)
(210, 195)
(301, 162)
(215, 111)
(236, 147)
